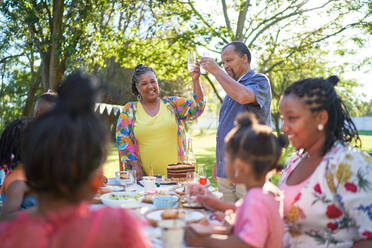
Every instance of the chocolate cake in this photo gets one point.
(177, 172)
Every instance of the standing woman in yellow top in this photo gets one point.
(150, 132)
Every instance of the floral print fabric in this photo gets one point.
(334, 208)
(183, 109)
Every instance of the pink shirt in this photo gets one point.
(258, 220)
(75, 226)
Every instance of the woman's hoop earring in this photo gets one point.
(320, 127)
(139, 97)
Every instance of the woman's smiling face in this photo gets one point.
(148, 86)
(299, 122)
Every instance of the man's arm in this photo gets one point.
(234, 89)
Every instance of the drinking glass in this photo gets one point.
(202, 174)
(202, 70)
(190, 179)
(132, 177)
(191, 59)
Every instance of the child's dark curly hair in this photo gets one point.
(255, 143)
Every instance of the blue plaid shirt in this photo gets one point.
(260, 85)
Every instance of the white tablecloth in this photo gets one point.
(153, 233)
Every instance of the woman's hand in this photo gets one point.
(195, 73)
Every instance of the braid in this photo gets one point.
(11, 143)
(320, 94)
(138, 71)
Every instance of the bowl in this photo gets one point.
(121, 199)
(165, 201)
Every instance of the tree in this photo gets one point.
(59, 36)
(271, 30)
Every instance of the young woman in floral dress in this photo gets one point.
(327, 183)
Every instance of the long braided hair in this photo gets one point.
(11, 143)
(138, 71)
(320, 94)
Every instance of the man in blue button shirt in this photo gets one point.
(245, 90)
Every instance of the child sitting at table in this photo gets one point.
(15, 193)
(251, 151)
(64, 153)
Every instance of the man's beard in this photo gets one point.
(232, 74)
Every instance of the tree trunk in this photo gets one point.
(213, 88)
(241, 20)
(54, 65)
(35, 82)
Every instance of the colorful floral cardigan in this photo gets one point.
(334, 208)
(183, 109)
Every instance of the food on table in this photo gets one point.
(124, 175)
(172, 214)
(177, 172)
(192, 205)
(124, 197)
(148, 198)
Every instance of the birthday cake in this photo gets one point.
(177, 172)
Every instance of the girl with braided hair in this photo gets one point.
(327, 183)
(15, 193)
(150, 132)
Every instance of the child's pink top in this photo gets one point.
(290, 194)
(75, 226)
(258, 220)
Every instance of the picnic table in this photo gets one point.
(154, 233)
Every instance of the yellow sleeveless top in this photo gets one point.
(156, 139)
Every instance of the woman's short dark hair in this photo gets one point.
(67, 145)
(255, 143)
(11, 143)
(240, 48)
(320, 94)
(138, 71)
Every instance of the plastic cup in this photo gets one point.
(172, 233)
(149, 183)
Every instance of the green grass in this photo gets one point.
(204, 145)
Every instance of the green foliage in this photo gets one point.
(159, 33)
(13, 96)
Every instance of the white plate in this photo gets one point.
(129, 203)
(219, 195)
(190, 215)
(180, 190)
(113, 188)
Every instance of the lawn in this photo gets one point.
(204, 145)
